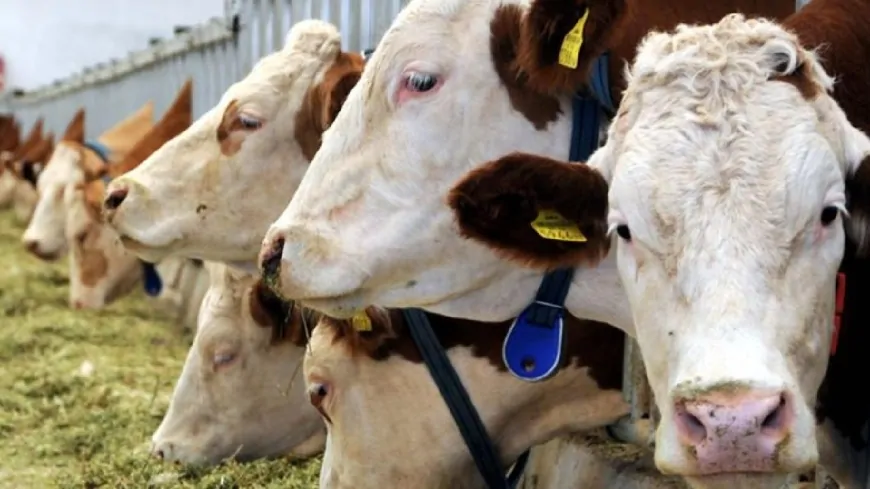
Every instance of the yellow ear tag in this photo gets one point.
(552, 225)
(570, 52)
(362, 322)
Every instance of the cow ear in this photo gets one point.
(560, 40)
(338, 83)
(75, 130)
(537, 211)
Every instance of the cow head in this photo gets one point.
(241, 393)
(729, 166)
(101, 269)
(70, 164)
(8, 181)
(366, 377)
(198, 195)
(441, 93)
(44, 236)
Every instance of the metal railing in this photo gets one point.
(215, 54)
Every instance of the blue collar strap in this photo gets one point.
(103, 152)
(152, 281)
(532, 349)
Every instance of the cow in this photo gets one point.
(240, 394)
(519, 183)
(370, 221)
(348, 370)
(195, 196)
(100, 269)
(8, 182)
(45, 236)
(24, 172)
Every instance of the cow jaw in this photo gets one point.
(238, 396)
(211, 192)
(365, 400)
(45, 235)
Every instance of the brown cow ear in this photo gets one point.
(560, 40)
(75, 130)
(858, 191)
(337, 95)
(537, 211)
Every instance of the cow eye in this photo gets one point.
(420, 82)
(249, 123)
(829, 215)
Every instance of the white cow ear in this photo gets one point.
(315, 37)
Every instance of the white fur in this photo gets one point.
(369, 224)
(721, 175)
(239, 195)
(254, 406)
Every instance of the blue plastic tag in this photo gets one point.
(153, 283)
(533, 352)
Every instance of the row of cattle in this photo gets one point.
(722, 225)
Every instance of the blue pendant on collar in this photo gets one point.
(153, 282)
(532, 349)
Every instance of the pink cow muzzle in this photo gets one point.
(738, 433)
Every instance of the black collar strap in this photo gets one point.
(461, 408)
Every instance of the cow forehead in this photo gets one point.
(438, 31)
(63, 163)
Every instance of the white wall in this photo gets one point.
(44, 40)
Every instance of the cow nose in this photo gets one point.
(78, 305)
(270, 262)
(32, 246)
(162, 450)
(116, 198)
(738, 433)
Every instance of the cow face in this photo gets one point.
(728, 165)
(241, 393)
(212, 191)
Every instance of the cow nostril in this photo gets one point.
(690, 426)
(777, 417)
(78, 305)
(271, 263)
(115, 199)
(31, 246)
(159, 454)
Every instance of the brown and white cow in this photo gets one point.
(241, 393)
(8, 182)
(24, 173)
(370, 222)
(45, 235)
(366, 383)
(101, 270)
(211, 192)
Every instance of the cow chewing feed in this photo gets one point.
(728, 166)
(101, 270)
(241, 394)
(211, 192)
(71, 163)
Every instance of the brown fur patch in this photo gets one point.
(544, 28)
(497, 202)
(596, 345)
(540, 109)
(33, 138)
(92, 262)
(75, 130)
(801, 79)
(230, 142)
(323, 101)
(10, 134)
